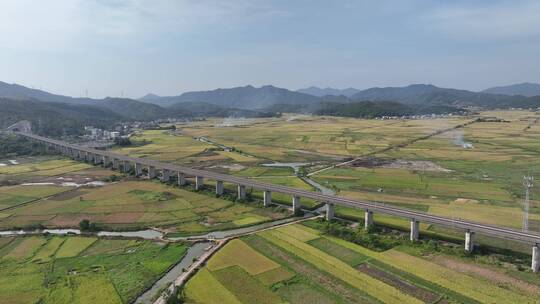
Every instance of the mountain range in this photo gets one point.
(248, 101)
(319, 92)
(524, 89)
(247, 97)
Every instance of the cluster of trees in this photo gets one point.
(54, 119)
(122, 141)
(367, 238)
(87, 226)
(12, 145)
(369, 109)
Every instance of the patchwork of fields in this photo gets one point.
(80, 269)
(297, 264)
(136, 205)
(32, 168)
(473, 173)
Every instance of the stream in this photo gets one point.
(194, 252)
(147, 234)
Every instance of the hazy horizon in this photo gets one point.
(170, 47)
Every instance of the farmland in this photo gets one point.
(398, 164)
(30, 168)
(472, 173)
(298, 264)
(80, 270)
(137, 205)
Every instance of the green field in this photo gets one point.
(40, 166)
(80, 270)
(440, 176)
(482, 184)
(297, 264)
(11, 196)
(137, 205)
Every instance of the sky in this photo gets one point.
(133, 47)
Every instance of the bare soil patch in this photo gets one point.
(406, 287)
(412, 165)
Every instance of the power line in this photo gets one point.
(528, 184)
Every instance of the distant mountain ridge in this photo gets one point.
(246, 97)
(319, 92)
(16, 91)
(526, 89)
(249, 101)
(427, 94)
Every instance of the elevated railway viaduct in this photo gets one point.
(164, 171)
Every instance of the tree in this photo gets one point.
(122, 141)
(84, 225)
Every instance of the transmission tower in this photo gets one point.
(528, 184)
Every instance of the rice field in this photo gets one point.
(137, 205)
(38, 270)
(297, 264)
(11, 196)
(489, 171)
(42, 166)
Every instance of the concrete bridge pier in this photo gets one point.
(368, 219)
(219, 188)
(127, 166)
(199, 182)
(98, 159)
(165, 175)
(329, 211)
(138, 169)
(181, 179)
(115, 164)
(535, 265)
(469, 241)
(415, 230)
(151, 172)
(267, 198)
(106, 161)
(296, 205)
(241, 192)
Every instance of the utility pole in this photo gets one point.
(528, 184)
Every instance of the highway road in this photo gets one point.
(489, 230)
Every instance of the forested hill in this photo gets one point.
(54, 119)
(247, 97)
(370, 109)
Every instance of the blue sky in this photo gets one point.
(171, 46)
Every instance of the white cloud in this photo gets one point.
(490, 21)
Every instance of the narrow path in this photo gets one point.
(185, 276)
(400, 145)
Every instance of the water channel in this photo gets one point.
(194, 252)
